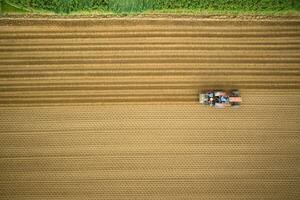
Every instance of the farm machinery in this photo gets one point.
(220, 98)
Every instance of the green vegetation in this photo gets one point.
(137, 6)
(7, 7)
(230, 5)
(127, 6)
(60, 6)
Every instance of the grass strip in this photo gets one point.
(139, 6)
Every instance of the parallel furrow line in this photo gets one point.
(149, 35)
(144, 43)
(147, 48)
(157, 71)
(142, 29)
(157, 60)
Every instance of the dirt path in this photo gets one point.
(107, 108)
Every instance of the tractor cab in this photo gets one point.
(217, 97)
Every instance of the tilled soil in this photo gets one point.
(107, 108)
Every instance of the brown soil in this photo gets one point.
(107, 108)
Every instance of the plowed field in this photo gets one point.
(106, 108)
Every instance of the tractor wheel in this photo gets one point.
(235, 93)
(236, 105)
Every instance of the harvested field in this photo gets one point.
(107, 108)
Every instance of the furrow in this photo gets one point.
(117, 48)
(150, 40)
(159, 60)
(295, 34)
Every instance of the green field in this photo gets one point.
(138, 6)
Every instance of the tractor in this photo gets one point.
(220, 98)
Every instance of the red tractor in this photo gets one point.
(220, 98)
